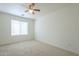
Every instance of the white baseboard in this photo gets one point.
(58, 47)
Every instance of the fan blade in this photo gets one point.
(33, 12)
(33, 4)
(30, 7)
(26, 10)
(36, 9)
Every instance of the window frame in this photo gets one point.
(20, 26)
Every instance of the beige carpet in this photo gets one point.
(32, 48)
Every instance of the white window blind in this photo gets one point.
(19, 27)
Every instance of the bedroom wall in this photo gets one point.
(5, 29)
(60, 28)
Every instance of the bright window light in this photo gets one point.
(24, 28)
(19, 28)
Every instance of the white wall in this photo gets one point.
(5, 29)
(60, 28)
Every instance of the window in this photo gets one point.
(19, 27)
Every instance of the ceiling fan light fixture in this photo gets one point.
(30, 11)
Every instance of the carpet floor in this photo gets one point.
(33, 48)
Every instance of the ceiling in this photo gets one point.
(19, 8)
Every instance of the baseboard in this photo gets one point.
(14, 42)
(59, 47)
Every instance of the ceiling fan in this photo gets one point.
(32, 9)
